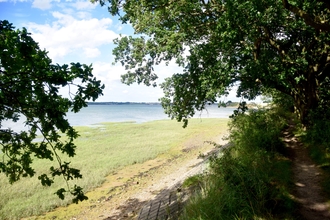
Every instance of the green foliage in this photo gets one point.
(193, 181)
(241, 109)
(318, 133)
(282, 101)
(259, 45)
(259, 129)
(251, 179)
(29, 94)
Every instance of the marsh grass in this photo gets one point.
(101, 150)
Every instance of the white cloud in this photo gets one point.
(119, 27)
(68, 35)
(164, 71)
(110, 75)
(106, 72)
(91, 52)
(63, 18)
(43, 4)
(80, 5)
(83, 15)
(13, 1)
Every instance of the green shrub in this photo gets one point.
(251, 179)
(258, 130)
(193, 181)
(319, 132)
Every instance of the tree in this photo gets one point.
(29, 92)
(274, 44)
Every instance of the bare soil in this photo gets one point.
(307, 177)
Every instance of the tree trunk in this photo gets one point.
(306, 99)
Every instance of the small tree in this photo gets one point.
(29, 91)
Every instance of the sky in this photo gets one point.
(80, 31)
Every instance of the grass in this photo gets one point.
(251, 179)
(101, 150)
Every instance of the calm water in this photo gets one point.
(139, 113)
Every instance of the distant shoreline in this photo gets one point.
(130, 103)
(124, 103)
(229, 105)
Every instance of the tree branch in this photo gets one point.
(326, 3)
(273, 43)
(325, 67)
(309, 20)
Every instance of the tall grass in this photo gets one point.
(101, 150)
(249, 180)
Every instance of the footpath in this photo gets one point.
(307, 177)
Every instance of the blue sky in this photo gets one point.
(79, 31)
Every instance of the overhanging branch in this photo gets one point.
(309, 20)
(273, 43)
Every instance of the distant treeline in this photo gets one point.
(228, 104)
(123, 103)
(236, 104)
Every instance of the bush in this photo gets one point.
(258, 130)
(318, 133)
(250, 179)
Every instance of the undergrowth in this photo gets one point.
(251, 179)
(317, 140)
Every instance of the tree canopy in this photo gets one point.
(29, 92)
(259, 45)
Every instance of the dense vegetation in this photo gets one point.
(253, 179)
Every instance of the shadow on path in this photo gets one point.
(307, 179)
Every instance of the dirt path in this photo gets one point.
(307, 178)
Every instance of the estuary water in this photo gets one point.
(139, 113)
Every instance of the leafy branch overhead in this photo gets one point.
(29, 93)
(259, 45)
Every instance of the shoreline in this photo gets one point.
(105, 150)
